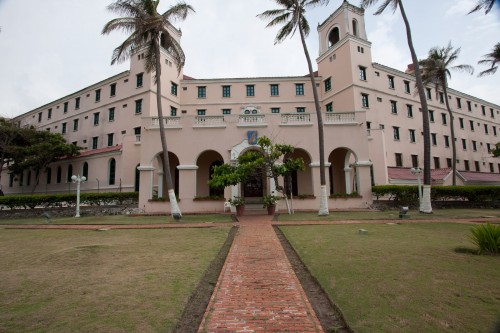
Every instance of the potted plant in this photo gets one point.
(269, 202)
(239, 203)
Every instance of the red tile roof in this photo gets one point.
(99, 151)
(405, 174)
(480, 177)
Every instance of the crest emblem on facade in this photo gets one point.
(252, 137)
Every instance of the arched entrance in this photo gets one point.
(205, 162)
(342, 171)
(159, 180)
(300, 182)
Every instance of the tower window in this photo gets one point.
(333, 37)
(355, 31)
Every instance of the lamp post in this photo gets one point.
(418, 171)
(78, 180)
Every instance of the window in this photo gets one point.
(441, 97)
(95, 140)
(111, 114)
(77, 103)
(328, 84)
(226, 111)
(49, 113)
(476, 165)
(459, 103)
(412, 135)
(69, 173)
(492, 113)
(59, 175)
(362, 73)
(75, 124)
(48, 172)
(491, 168)
(299, 89)
(301, 109)
(98, 95)
(483, 110)
(21, 178)
(464, 144)
(110, 139)
(202, 92)
(85, 170)
(275, 110)
(395, 131)
(437, 164)
(391, 82)
(443, 118)
(429, 93)
(466, 165)
(394, 107)
(28, 178)
(333, 37)
(448, 163)
(111, 171)
(354, 27)
(486, 129)
(414, 161)
(201, 112)
(407, 86)
(494, 130)
(250, 90)
(399, 159)
(112, 89)
(138, 80)
(138, 106)
(471, 124)
(96, 118)
(11, 180)
(39, 117)
(364, 101)
(469, 106)
(434, 139)
(63, 129)
(446, 141)
(329, 107)
(409, 110)
(137, 130)
(274, 90)
(474, 145)
(173, 111)
(226, 91)
(461, 121)
(173, 88)
(431, 116)
(488, 147)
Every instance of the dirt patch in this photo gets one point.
(329, 315)
(197, 304)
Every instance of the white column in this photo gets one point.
(160, 184)
(347, 172)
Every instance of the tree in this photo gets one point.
(487, 5)
(147, 28)
(272, 160)
(35, 150)
(292, 16)
(491, 59)
(425, 206)
(496, 151)
(436, 70)
(10, 136)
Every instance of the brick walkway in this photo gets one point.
(257, 290)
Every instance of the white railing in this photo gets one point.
(295, 118)
(340, 118)
(209, 121)
(167, 122)
(138, 138)
(252, 119)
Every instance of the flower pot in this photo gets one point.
(240, 210)
(271, 209)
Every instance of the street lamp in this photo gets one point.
(418, 171)
(78, 180)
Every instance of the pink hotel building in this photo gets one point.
(372, 122)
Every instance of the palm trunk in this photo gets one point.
(425, 206)
(174, 207)
(452, 134)
(323, 206)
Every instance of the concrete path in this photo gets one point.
(257, 290)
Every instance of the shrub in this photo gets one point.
(486, 237)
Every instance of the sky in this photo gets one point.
(52, 48)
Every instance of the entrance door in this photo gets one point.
(253, 186)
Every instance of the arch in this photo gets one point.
(59, 174)
(69, 173)
(342, 171)
(85, 170)
(48, 175)
(355, 27)
(112, 171)
(250, 109)
(137, 179)
(205, 162)
(300, 182)
(333, 37)
(159, 183)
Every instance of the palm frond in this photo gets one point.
(287, 30)
(486, 4)
(315, 3)
(269, 14)
(490, 71)
(125, 24)
(122, 52)
(178, 11)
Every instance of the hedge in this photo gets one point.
(58, 200)
(409, 194)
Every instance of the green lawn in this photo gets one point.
(403, 278)
(122, 219)
(389, 215)
(108, 281)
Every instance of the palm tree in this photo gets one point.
(491, 59)
(425, 205)
(436, 70)
(146, 27)
(486, 4)
(292, 16)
